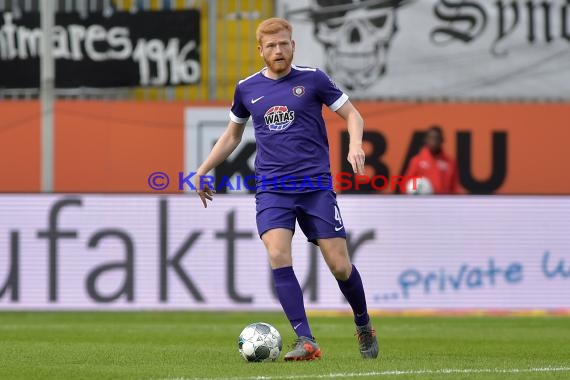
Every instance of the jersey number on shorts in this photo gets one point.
(337, 215)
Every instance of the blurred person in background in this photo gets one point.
(435, 166)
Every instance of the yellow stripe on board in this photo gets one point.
(446, 313)
(200, 91)
(236, 52)
(123, 5)
(156, 5)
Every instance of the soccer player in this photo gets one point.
(285, 102)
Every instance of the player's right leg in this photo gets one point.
(278, 244)
(276, 225)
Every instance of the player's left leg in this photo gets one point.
(319, 217)
(335, 253)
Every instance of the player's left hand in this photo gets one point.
(204, 191)
(356, 158)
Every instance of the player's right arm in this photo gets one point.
(225, 145)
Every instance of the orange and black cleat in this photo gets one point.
(304, 349)
(367, 341)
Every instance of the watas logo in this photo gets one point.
(279, 118)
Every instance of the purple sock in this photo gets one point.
(354, 293)
(291, 298)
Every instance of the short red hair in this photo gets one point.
(272, 26)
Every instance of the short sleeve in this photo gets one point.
(238, 113)
(328, 92)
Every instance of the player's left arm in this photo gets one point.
(355, 125)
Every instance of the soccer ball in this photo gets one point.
(259, 342)
(423, 187)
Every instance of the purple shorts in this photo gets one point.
(316, 212)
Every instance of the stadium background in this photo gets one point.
(88, 233)
(471, 286)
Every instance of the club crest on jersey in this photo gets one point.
(279, 118)
(299, 91)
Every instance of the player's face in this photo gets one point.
(277, 51)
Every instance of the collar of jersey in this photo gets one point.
(275, 80)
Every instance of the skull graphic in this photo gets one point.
(356, 35)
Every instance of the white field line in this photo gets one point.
(391, 373)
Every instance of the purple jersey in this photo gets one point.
(290, 132)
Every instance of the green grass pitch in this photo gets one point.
(183, 345)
